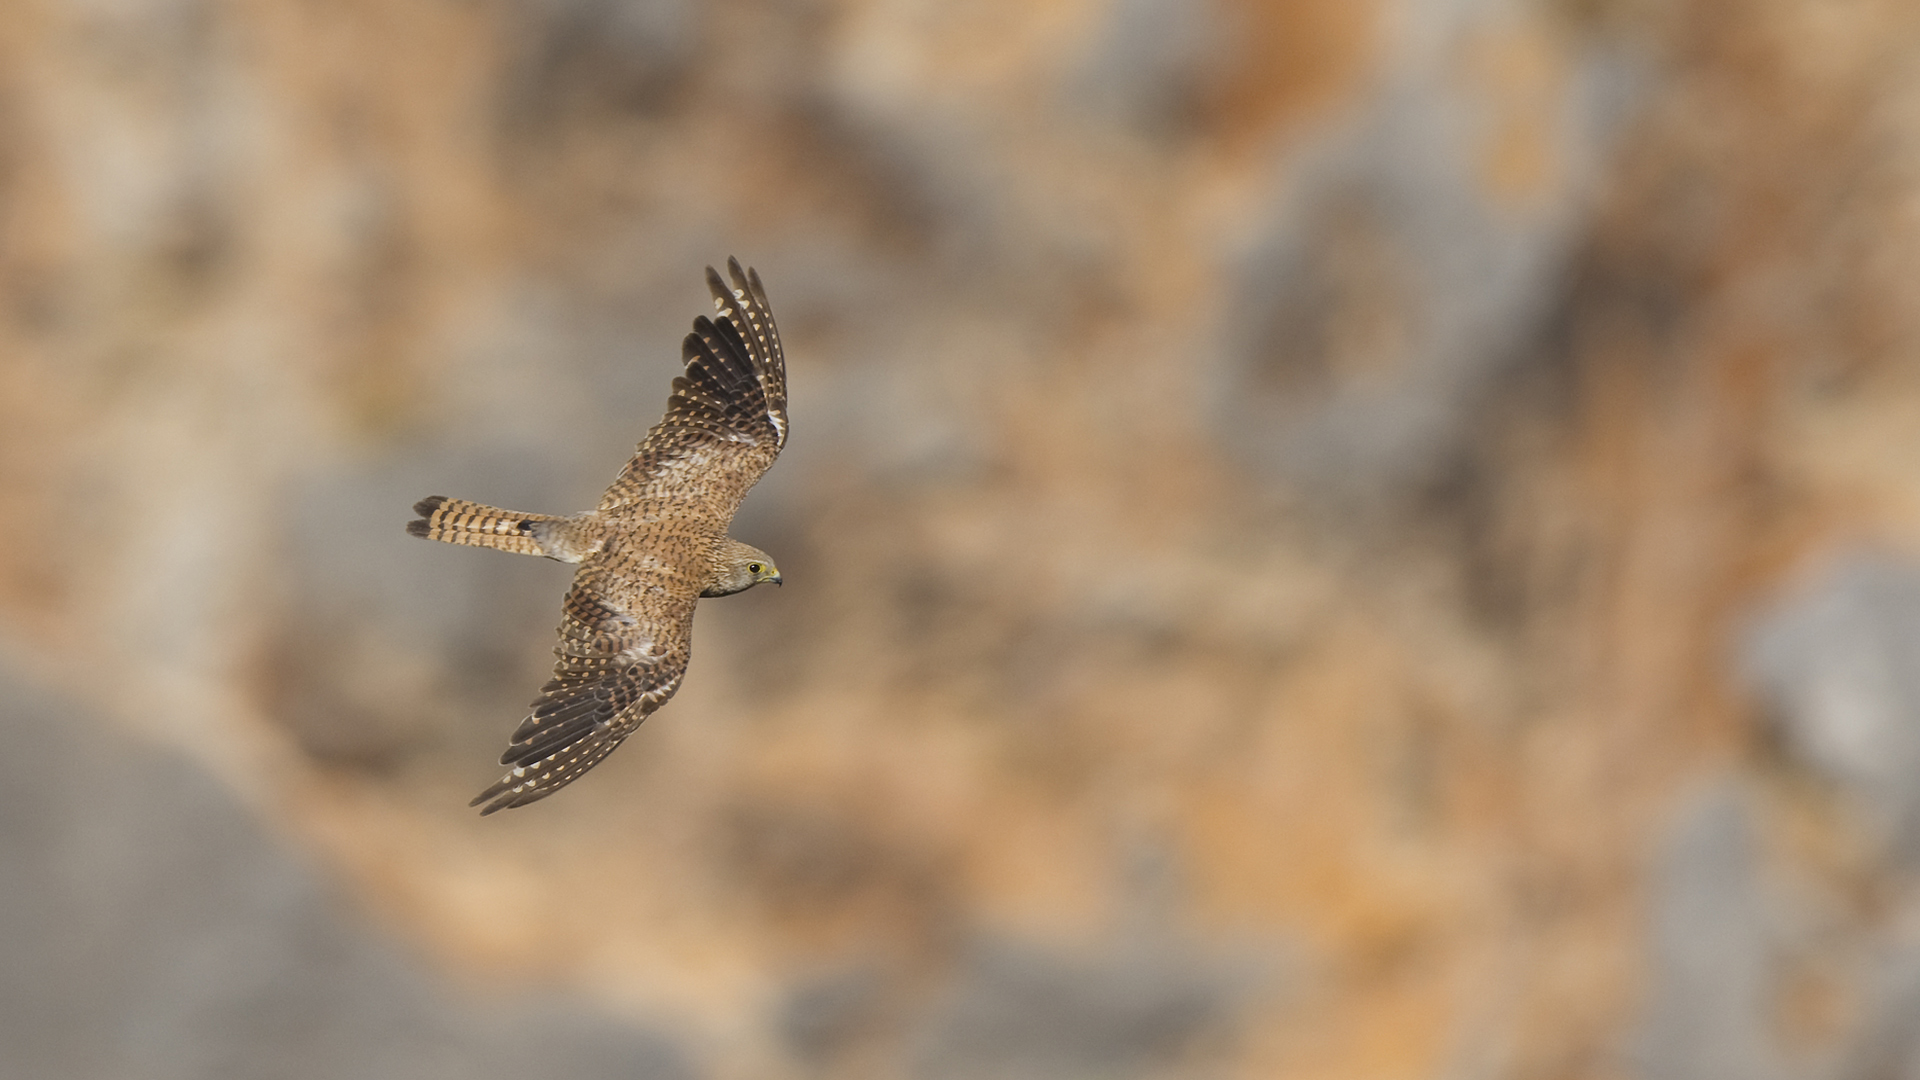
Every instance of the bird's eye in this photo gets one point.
(754, 568)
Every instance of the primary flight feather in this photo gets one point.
(654, 546)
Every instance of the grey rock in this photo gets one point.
(1887, 1044)
(150, 929)
(1390, 287)
(1150, 63)
(826, 1014)
(1713, 965)
(1020, 1013)
(1836, 666)
(607, 56)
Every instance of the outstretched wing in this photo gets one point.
(727, 418)
(615, 668)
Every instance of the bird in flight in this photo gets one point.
(654, 546)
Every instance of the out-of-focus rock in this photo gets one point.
(1709, 1008)
(1415, 252)
(1764, 961)
(1149, 66)
(1887, 1043)
(153, 929)
(574, 61)
(1020, 1012)
(1090, 307)
(1836, 664)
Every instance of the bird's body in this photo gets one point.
(654, 546)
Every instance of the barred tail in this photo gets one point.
(457, 521)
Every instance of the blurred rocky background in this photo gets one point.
(1328, 539)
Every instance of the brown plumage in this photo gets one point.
(654, 546)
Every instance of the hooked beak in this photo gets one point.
(775, 579)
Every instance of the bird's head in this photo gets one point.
(739, 568)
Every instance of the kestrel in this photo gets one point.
(654, 546)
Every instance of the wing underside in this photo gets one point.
(726, 420)
(622, 650)
(614, 669)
